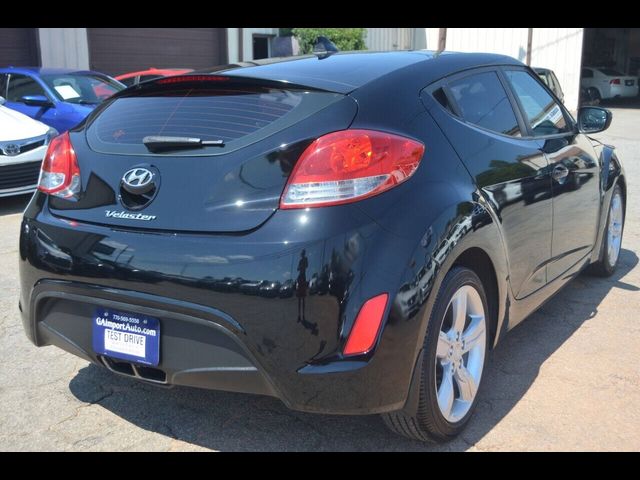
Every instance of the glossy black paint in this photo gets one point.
(478, 198)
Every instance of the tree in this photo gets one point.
(344, 38)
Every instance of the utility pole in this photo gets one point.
(529, 43)
(442, 40)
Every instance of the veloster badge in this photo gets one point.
(129, 216)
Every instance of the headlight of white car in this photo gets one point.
(51, 134)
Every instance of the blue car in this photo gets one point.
(58, 97)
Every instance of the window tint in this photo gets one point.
(442, 99)
(3, 84)
(543, 77)
(234, 115)
(484, 102)
(543, 113)
(21, 85)
(586, 73)
(557, 89)
(611, 72)
(144, 78)
(128, 81)
(81, 88)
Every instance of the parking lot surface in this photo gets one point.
(568, 378)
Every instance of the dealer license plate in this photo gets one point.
(126, 336)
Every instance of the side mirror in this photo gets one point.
(2, 100)
(594, 119)
(36, 101)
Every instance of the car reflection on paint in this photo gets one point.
(286, 290)
(269, 289)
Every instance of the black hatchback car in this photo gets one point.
(350, 233)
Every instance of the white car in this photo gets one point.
(23, 144)
(603, 83)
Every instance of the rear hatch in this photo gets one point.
(263, 126)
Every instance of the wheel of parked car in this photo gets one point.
(455, 347)
(594, 95)
(612, 237)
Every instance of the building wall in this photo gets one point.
(559, 49)
(247, 39)
(383, 39)
(64, 48)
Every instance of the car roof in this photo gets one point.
(347, 71)
(45, 70)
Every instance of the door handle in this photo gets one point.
(560, 173)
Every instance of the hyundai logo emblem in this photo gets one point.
(11, 149)
(138, 180)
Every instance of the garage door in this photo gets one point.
(18, 47)
(122, 50)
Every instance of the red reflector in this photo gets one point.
(367, 325)
(615, 81)
(193, 78)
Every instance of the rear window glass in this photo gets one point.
(232, 115)
(611, 72)
(484, 102)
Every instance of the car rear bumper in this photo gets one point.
(199, 348)
(623, 91)
(212, 334)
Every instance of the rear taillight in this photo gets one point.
(60, 174)
(615, 81)
(350, 165)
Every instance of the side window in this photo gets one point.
(144, 78)
(21, 85)
(557, 89)
(3, 84)
(483, 101)
(541, 110)
(543, 77)
(586, 73)
(128, 81)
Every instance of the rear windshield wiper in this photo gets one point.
(156, 143)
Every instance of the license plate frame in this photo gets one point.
(126, 336)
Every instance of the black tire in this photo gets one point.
(426, 422)
(594, 96)
(603, 267)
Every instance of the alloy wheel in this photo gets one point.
(460, 353)
(614, 229)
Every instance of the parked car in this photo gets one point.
(369, 166)
(135, 78)
(60, 98)
(604, 83)
(550, 80)
(23, 143)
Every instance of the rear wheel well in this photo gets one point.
(477, 260)
(623, 186)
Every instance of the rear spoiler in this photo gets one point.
(211, 81)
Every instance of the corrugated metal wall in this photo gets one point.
(559, 49)
(389, 38)
(64, 48)
(507, 41)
